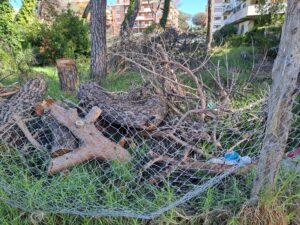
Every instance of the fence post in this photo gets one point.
(286, 71)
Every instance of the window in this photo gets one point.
(218, 18)
(218, 9)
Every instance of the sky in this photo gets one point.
(188, 6)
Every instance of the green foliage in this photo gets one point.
(9, 31)
(129, 14)
(236, 40)
(14, 64)
(271, 12)
(220, 36)
(164, 19)
(68, 36)
(264, 37)
(150, 29)
(27, 12)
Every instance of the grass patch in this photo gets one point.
(122, 82)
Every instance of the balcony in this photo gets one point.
(242, 13)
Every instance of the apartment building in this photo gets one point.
(150, 12)
(241, 13)
(218, 19)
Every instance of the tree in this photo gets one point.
(98, 66)
(9, 32)
(164, 19)
(286, 72)
(6, 18)
(270, 11)
(183, 21)
(210, 6)
(131, 15)
(199, 19)
(27, 12)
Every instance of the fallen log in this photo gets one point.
(136, 109)
(22, 102)
(94, 144)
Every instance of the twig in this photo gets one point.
(26, 132)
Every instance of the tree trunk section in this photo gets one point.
(98, 67)
(285, 73)
(137, 109)
(68, 75)
(23, 102)
(210, 21)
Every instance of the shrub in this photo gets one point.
(264, 38)
(14, 64)
(236, 40)
(68, 36)
(220, 36)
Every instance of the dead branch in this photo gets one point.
(26, 132)
(94, 144)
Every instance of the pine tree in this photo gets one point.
(6, 18)
(27, 12)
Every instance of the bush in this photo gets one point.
(220, 36)
(264, 38)
(68, 36)
(15, 64)
(236, 40)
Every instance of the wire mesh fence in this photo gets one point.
(168, 166)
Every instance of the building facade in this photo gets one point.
(241, 13)
(150, 12)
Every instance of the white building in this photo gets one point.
(241, 13)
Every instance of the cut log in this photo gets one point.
(94, 144)
(22, 103)
(135, 110)
(68, 75)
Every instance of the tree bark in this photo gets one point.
(286, 72)
(94, 144)
(22, 102)
(87, 10)
(136, 110)
(98, 67)
(164, 19)
(130, 17)
(210, 21)
(68, 75)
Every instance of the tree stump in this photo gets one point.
(68, 75)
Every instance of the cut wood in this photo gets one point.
(22, 102)
(135, 110)
(68, 75)
(94, 144)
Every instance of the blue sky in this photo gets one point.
(187, 6)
